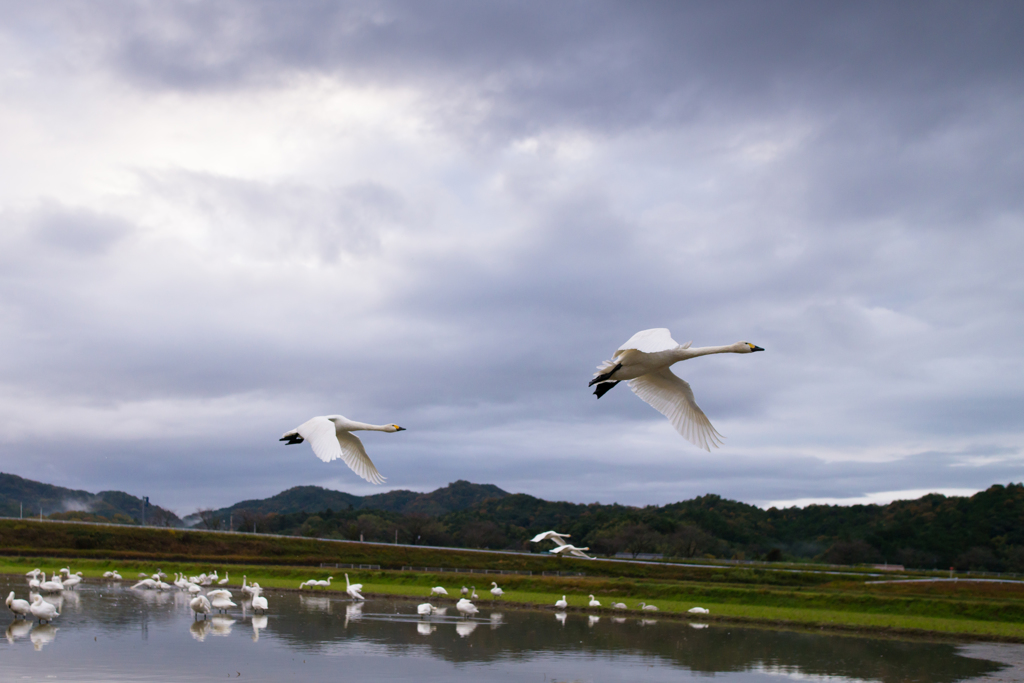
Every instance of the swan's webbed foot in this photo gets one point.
(601, 390)
(292, 439)
(606, 376)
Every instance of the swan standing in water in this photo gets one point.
(259, 603)
(353, 589)
(425, 609)
(466, 608)
(42, 610)
(200, 605)
(644, 362)
(51, 586)
(73, 580)
(331, 438)
(20, 608)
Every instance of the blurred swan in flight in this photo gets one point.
(644, 362)
(331, 438)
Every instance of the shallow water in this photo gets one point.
(109, 632)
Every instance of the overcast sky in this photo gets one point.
(218, 219)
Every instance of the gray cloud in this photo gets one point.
(838, 185)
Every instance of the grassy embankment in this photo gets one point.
(990, 611)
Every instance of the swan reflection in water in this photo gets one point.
(696, 625)
(69, 598)
(425, 628)
(42, 635)
(353, 611)
(315, 604)
(648, 622)
(198, 629)
(258, 622)
(496, 619)
(561, 617)
(221, 625)
(18, 629)
(593, 620)
(618, 620)
(464, 628)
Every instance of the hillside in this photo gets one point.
(59, 502)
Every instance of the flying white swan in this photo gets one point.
(42, 610)
(550, 536)
(561, 604)
(20, 608)
(331, 438)
(644, 361)
(571, 550)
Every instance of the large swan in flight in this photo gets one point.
(331, 438)
(644, 362)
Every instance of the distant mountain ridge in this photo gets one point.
(457, 496)
(25, 496)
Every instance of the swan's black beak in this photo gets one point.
(755, 348)
(400, 429)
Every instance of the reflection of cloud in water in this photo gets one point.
(591, 620)
(425, 629)
(315, 604)
(198, 629)
(696, 625)
(18, 629)
(42, 635)
(221, 626)
(464, 628)
(258, 622)
(561, 617)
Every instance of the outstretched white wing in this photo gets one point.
(673, 398)
(650, 341)
(354, 455)
(550, 536)
(329, 444)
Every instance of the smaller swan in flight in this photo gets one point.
(644, 362)
(331, 438)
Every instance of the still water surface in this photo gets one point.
(109, 632)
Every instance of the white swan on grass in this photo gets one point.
(42, 610)
(619, 605)
(321, 583)
(644, 362)
(496, 592)
(698, 610)
(438, 590)
(224, 581)
(593, 601)
(19, 607)
(649, 608)
(561, 604)
(473, 595)
(331, 438)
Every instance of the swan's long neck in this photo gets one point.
(683, 354)
(353, 426)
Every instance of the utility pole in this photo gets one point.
(396, 536)
(21, 510)
(145, 502)
(231, 522)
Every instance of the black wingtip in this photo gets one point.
(604, 388)
(292, 439)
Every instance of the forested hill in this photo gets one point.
(456, 496)
(18, 494)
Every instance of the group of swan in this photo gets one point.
(560, 545)
(643, 361)
(643, 606)
(465, 605)
(354, 590)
